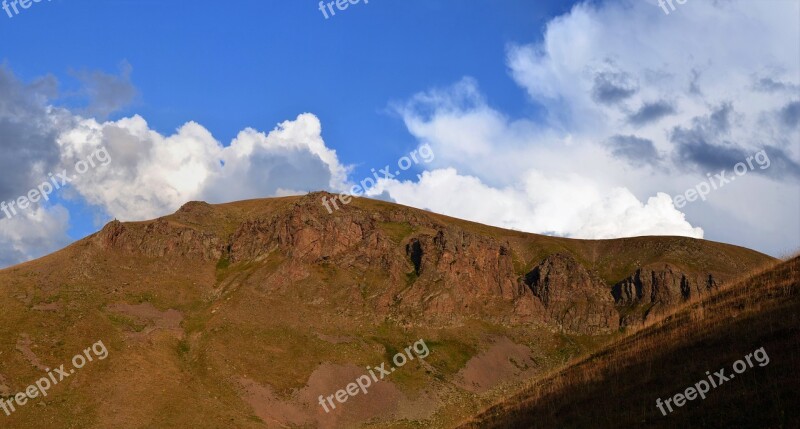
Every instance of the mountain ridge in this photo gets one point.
(249, 230)
(264, 304)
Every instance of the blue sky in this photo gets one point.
(508, 94)
(256, 63)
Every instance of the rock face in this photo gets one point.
(442, 275)
(433, 273)
(651, 290)
(459, 273)
(401, 263)
(305, 236)
(575, 299)
(160, 238)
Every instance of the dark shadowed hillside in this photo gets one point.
(619, 385)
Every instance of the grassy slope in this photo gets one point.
(618, 386)
(185, 379)
(612, 259)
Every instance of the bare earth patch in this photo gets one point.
(24, 344)
(383, 401)
(155, 319)
(503, 361)
(269, 408)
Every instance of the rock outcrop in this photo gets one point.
(457, 273)
(160, 238)
(575, 300)
(651, 290)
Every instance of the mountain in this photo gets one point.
(250, 314)
(749, 330)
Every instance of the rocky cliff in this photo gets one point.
(654, 289)
(413, 266)
(574, 299)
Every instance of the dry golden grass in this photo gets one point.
(617, 386)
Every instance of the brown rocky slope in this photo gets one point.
(242, 314)
(432, 270)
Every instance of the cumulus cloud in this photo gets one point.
(517, 174)
(624, 88)
(28, 131)
(29, 128)
(739, 54)
(149, 174)
(32, 233)
(571, 206)
(726, 74)
(293, 158)
(153, 175)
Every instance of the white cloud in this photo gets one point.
(571, 206)
(151, 175)
(699, 89)
(518, 175)
(293, 158)
(702, 56)
(32, 233)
